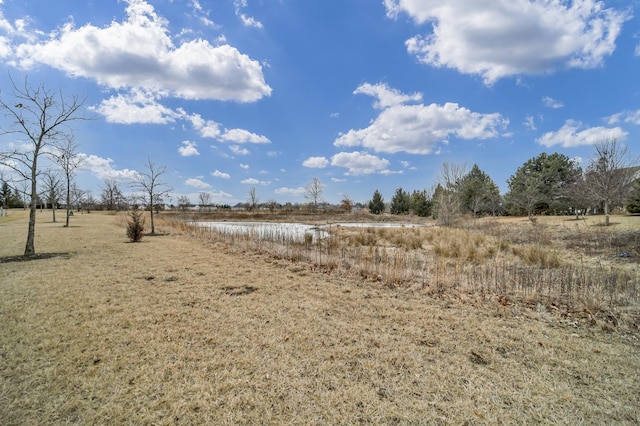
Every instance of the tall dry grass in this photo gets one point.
(554, 261)
(184, 330)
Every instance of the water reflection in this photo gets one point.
(289, 232)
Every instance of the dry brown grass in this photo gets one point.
(177, 330)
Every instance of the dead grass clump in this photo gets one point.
(536, 255)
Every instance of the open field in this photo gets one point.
(205, 330)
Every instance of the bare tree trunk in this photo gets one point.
(30, 247)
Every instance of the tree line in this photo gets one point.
(545, 184)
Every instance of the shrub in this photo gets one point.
(135, 224)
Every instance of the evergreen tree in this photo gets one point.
(477, 191)
(421, 204)
(5, 195)
(376, 205)
(633, 202)
(401, 202)
(540, 184)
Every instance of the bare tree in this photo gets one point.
(111, 195)
(448, 200)
(313, 193)
(253, 199)
(42, 118)
(150, 183)
(77, 195)
(52, 188)
(183, 202)
(205, 200)
(69, 162)
(609, 175)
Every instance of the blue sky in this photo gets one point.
(362, 94)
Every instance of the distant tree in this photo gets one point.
(42, 118)
(609, 175)
(205, 199)
(376, 205)
(272, 205)
(539, 185)
(253, 199)
(77, 196)
(150, 183)
(111, 195)
(633, 202)
(400, 202)
(447, 197)
(183, 202)
(52, 189)
(6, 194)
(421, 203)
(66, 157)
(346, 204)
(313, 192)
(477, 190)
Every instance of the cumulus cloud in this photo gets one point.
(238, 150)
(385, 95)
(220, 175)
(242, 136)
(102, 168)
(252, 181)
(632, 117)
(316, 162)
(137, 106)
(188, 149)
(498, 39)
(552, 103)
(359, 163)
(417, 129)
(291, 191)
(139, 53)
(570, 135)
(197, 183)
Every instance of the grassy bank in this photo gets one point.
(183, 330)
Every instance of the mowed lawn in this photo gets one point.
(174, 330)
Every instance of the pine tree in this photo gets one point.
(633, 202)
(135, 224)
(401, 202)
(376, 205)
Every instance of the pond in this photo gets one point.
(288, 231)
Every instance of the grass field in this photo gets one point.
(184, 330)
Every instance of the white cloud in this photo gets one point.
(243, 136)
(220, 175)
(417, 129)
(632, 117)
(359, 163)
(188, 149)
(385, 95)
(244, 166)
(239, 150)
(252, 181)
(316, 162)
(497, 39)
(291, 191)
(530, 122)
(139, 53)
(102, 168)
(247, 21)
(570, 135)
(197, 183)
(137, 106)
(552, 103)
